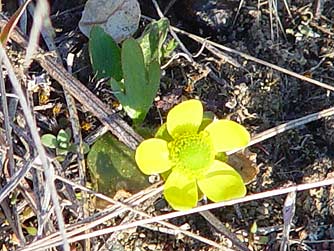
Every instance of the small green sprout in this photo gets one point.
(187, 152)
(61, 143)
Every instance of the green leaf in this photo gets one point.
(139, 87)
(152, 40)
(113, 167)
(153, 78)
(167, 49)
(62, 151)
(49, 140)
(105, 55)
(85, 147)
(63, 137)
(63, 145)
(73, 148)
(162, 133)
(31, 230)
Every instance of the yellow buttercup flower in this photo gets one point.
(185, 150)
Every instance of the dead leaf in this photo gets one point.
(245, 164)
(5, 33)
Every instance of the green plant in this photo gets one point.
(140, 83)
(187, 152)
(61, 143)
(113, 167)
(134, 69)
(105, 55)
(152, 41)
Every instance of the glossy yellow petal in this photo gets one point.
(180, 191)
(227, 135)
(186, 117)
(152, 156)
(222, 182)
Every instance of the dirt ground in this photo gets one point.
(300, 39)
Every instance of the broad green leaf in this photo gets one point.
(138, 89)
(105, 55)
(63, 137)
(152, 40)
(49, 140)
(113, 167)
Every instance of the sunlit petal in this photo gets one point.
(186, 117)
(227, 135)
(180, 191)
(152, 156)
(222, 182)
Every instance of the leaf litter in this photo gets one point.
(254, 95)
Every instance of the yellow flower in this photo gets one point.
(185, 151)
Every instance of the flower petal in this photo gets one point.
(222, 182)
(186, 117)
(152, 156)
(228, 135)
(180, 191)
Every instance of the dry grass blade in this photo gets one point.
(40, 16)
(221, 228)
(49, 242)
(97, 220)
(75, 124)
(256, 60)
(15, 180)
(288, 214)
(8, 129)
(24, 19)
(37, 141)
(288, 126)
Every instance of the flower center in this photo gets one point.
(192, 152)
